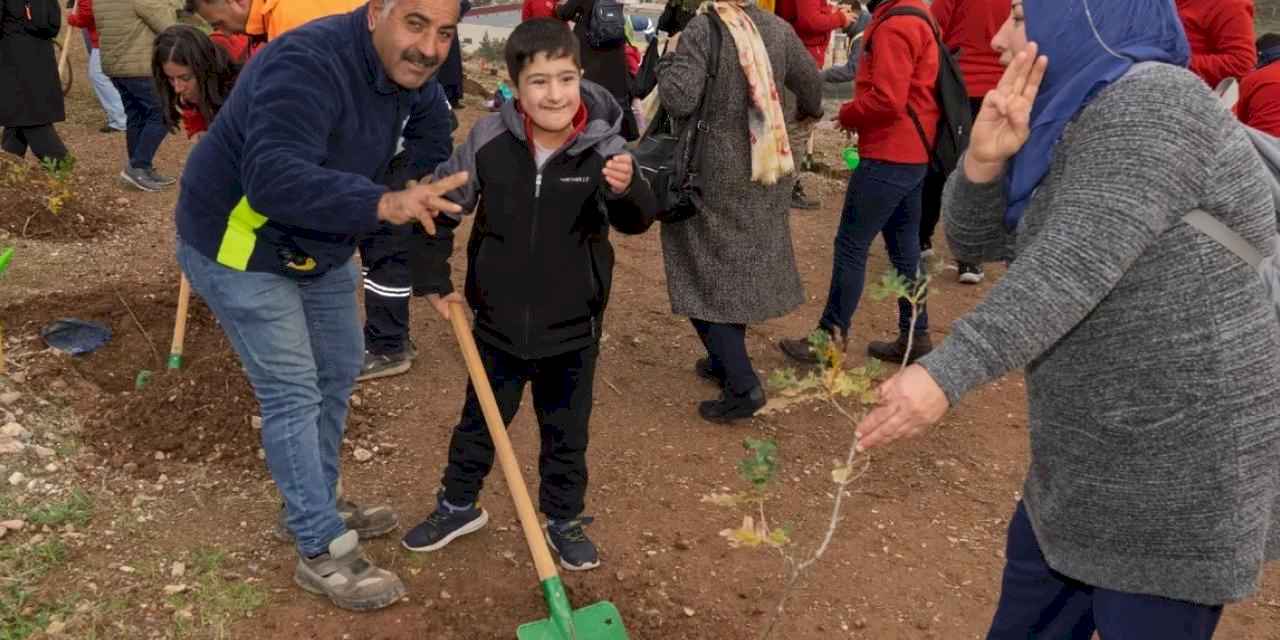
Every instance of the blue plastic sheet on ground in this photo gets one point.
(74, 336)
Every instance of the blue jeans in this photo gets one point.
(108, 97)
(146, 128)
(300, 343)
(883, 197)
(1038, 602)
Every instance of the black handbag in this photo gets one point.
(670, 156)
(646, 79)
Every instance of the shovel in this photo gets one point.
(180, 325)
(600, 621)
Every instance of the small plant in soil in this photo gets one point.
(850, 392)
(49, 187)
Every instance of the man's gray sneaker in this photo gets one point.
(443, 526)
(385, 365)
(577, 552)
(369, 522)
(163, 181)
(140, 180)
(347, 578)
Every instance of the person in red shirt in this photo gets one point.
(1221, 37)
(193, 76)
(537, 9)
(108, 96)
(1259, 105)
(813, 21)
(967, 27)
(896, 80)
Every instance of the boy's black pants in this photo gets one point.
(388, 284)
(562, 398)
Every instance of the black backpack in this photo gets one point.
(670, 156)
(955, 117)
(42, 19)
(607, 27)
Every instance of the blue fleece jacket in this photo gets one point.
(291, 172)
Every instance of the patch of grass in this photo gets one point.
(20, 568)
(76, 509)
(213, 603)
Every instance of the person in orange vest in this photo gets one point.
(1221, 37)
(266, 19)
(1259, 105)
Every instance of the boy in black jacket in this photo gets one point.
(550, 176)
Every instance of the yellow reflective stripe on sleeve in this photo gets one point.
(240, 237)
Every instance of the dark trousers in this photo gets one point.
(388, 284)
(146, 128)
(562, 398)
(43, 141)
(1038, 602)
(882, 198)
(727, 348)
(931, 199)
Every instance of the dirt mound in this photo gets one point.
(37, 206)
(199, 413)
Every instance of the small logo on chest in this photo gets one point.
(576, 179)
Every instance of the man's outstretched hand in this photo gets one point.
(421, 201)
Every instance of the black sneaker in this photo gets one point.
(893, 352)
(730, 406)
(383, 365)
(970, 273)
(926, 250)
(577, 552)
(801, 201)
(444, 526)
(707, 372)
(369, 522)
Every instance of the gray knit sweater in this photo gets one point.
(1152, 359)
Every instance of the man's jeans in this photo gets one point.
(108, 97)
(882, 197)
(300, 343)
(146, 128)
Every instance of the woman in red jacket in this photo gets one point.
(1221, 37)
(896, 78)
(1259, 105)
(537, 9)
(193, 77)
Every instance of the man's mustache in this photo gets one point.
(417, 58)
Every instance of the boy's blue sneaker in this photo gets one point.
(577, 552)
(443, 526)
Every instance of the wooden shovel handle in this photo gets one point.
(66, 47)
(502, 445)
(180, 322)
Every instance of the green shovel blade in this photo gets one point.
(5, 257)
(600, 621)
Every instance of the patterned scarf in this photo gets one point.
(771, 157)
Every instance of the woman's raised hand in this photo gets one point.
(1004, 123)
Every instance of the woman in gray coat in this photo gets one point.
(732, 264)
(1152, 352)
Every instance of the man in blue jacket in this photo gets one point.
(272, 203)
